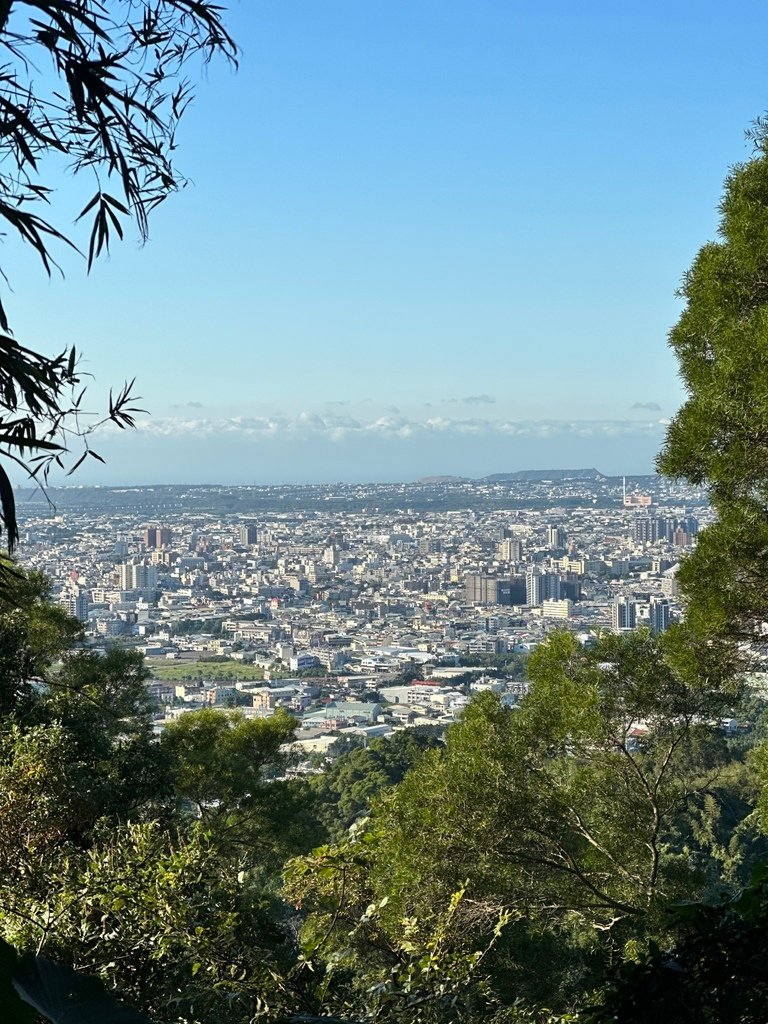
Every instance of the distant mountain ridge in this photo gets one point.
(520, 474)
(545, 474)
(444, 480)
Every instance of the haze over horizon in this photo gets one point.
(557, 472)
(440, 240)
(382, 460)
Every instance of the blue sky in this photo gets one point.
(419, 238)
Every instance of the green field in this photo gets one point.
(217, 671)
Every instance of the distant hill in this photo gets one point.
(545, 474)
(443, 480)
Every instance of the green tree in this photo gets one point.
(76, 750)
(103, 703)
(417, 974)
(346, 789)
(229, 770)
(719, 438)
(43, 798)
(181, 930)
(48, 678)
(572, 796)
(219, 758)
(34, 634)
(100, 870)
(579, 814)
(715, 972)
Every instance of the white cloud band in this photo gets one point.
(308, 426)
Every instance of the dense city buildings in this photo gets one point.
(362, 609)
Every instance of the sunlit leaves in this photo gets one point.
(565, 812)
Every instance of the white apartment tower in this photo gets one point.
(138, 576)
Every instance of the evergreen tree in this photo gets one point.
(719, 438)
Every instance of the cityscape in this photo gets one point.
(361, 622)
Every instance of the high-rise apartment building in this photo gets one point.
(690, 524)
(137, 576)
(623, 614)
(510, 550)
(669, 585)
(682, 539)
(534, 589)
(481, 589)
(157, 537)
(430, 545)
(658, 614)
(248, 534)
(75, 603)
(331, 555)
(556, 537)
(570, 586)
(649, 529)
(542, 586)
(512, 591)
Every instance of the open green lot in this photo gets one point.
(192, 671)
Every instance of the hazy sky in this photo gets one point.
(420, 238)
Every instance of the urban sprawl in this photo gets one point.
(360, 610)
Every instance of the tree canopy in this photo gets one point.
(608, 793)
(719, 438)
(347, 787)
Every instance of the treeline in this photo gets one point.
(211, 625)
